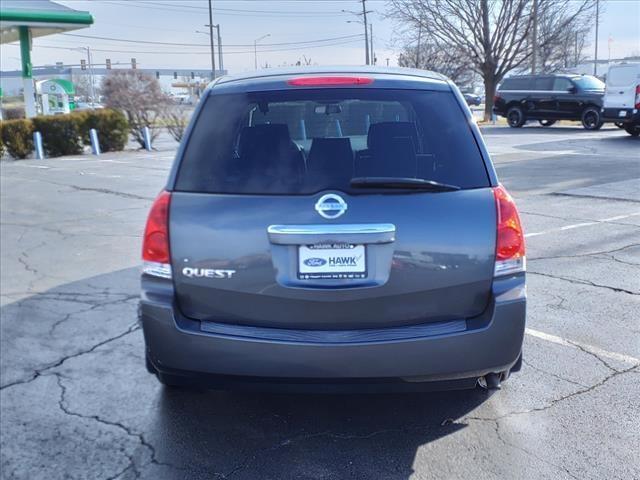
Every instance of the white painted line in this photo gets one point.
(589, 348)
(580, 225)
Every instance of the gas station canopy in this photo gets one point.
(24, 20)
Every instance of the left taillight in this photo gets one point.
(155, 246)
(510, 249)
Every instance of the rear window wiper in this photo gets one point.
(402, 183)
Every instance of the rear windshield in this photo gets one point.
(305, 141)
(588, 83)
(622, 76)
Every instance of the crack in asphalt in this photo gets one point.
(139, 437)
(556, 401)
(93, 307)
(531, 454)
(545, 372)
(129, 196)
(584, 282)
(590, 254)
(594, 355)
(38, 372)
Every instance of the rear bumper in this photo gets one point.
(631, 115)
(489, 343)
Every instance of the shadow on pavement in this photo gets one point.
(304, 436)
(82, 333)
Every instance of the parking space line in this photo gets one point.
(620, 357)
(580, 225)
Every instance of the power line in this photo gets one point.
(149, 42)
(186, 52)
(172, 7)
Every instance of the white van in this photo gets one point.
(622, 97)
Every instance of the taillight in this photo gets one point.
(496, 99)
(637, 103)
(510, 251)
(329, 81)
(155, 245)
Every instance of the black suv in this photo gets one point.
(548, 98)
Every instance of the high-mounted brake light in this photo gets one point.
(329, 81)
(155, 245)
(510, 249)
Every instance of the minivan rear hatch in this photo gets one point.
(332, 208)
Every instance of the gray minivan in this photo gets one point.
(331, 227)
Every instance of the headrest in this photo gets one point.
(380, 134)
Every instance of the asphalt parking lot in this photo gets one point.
(77, 402)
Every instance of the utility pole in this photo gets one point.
(373, 57)
(213, 56)
(219, 48)
(595, 56)
(366, 31)
(534, 39)
(93, 87)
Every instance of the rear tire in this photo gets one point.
(515, 117)
(633, 130)
(591, 119)
(546, 123)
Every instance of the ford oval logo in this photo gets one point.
(315, 262)
(331, 206)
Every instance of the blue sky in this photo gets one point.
(289, 23)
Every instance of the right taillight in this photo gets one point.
(637, 103)
(510, 251)
(155, 246)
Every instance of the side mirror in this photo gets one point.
(572, 89)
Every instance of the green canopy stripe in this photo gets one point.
(70, 17)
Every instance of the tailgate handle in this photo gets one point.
(354, 233)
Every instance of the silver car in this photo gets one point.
(333, 227)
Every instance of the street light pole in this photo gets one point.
(368, 46)
(92, 91)
(213, 56)
(255, 49)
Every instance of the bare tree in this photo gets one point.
(567, 49)
(82, 86)
(140, 97)
(451, 63)
(493, 34)
(176, 118)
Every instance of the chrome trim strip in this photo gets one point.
(155, 269)
(345, 229)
